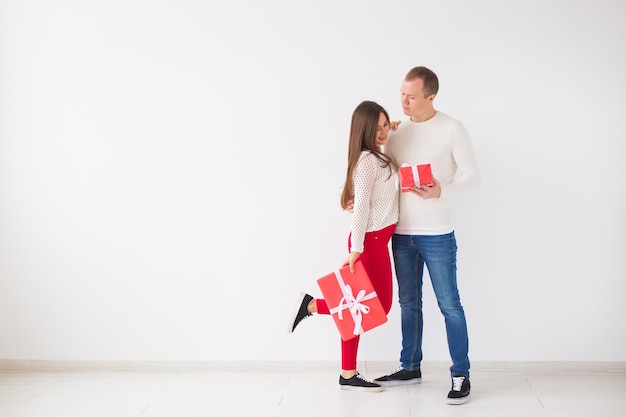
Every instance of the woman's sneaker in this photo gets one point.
(358, 383)
(400, 377)
(301, 312)
(460, 392)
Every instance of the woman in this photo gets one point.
(370, 191)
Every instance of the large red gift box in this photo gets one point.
(414, 176)
(353, 303)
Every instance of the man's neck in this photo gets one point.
(427, 115)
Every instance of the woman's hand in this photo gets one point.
(351, 259)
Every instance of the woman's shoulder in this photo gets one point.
(372, 161)
(367, 156)
(367, 160)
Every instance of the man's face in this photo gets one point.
(413, 101)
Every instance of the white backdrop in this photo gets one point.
(170, 173)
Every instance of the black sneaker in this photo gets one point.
(460, 392)
(400, 377)
(358, 383)
(301, 312)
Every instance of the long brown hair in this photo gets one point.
(363, 138)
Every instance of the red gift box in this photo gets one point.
(414, 176)
(353, 303)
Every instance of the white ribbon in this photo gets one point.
(353, 304)
(416, 176)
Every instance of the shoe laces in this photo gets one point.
(457, 382)
(359, 376)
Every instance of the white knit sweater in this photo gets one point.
(442, 142)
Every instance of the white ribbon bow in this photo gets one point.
(352, 304)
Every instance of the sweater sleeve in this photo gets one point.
(468, 176)
(364, 181)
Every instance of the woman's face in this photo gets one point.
(383, 129)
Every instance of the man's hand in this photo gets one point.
(428, 191)
(394, 124)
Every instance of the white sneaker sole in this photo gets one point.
(458, 401)
(412, 381)
(363, 389)
(295, 313)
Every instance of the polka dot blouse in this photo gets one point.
(376, 197)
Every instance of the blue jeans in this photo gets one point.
(410, 253)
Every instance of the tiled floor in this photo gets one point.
(304, 389)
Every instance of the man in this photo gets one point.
(425, 231)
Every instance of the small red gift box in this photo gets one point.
(353, 303)
(414, 176)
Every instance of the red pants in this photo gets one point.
(377, 263)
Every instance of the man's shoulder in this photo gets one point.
(450, 124)
(446, 118)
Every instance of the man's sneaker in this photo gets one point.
(358, 383)
(460, 392)
(400, 377)
(301, 312)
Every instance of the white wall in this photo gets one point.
(170, 173)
